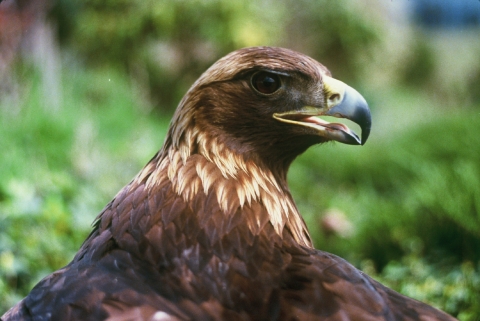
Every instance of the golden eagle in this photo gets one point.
(208, 230)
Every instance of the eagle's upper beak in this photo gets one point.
(341, 101)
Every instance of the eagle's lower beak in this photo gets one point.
(341, 101)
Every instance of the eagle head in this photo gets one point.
(263, 102)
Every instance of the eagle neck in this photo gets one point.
(201, 165)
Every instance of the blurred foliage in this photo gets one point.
(166, 44)
(344, 36)
(455, 290)
(472, 87)
(420, 67)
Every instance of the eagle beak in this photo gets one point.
(341, 101)
(345, 102)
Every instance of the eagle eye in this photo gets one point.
(266, 82)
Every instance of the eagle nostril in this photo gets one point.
(334, 99)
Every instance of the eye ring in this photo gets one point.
(266, 83)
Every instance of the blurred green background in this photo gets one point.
(87, 89)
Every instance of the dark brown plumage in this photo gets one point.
(208, 229)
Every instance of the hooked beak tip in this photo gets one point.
(355, 108)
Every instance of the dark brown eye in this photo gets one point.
(265, 82)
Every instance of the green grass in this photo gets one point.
(411, 194)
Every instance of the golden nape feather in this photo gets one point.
(208, 230)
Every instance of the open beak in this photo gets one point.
(341, 101)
